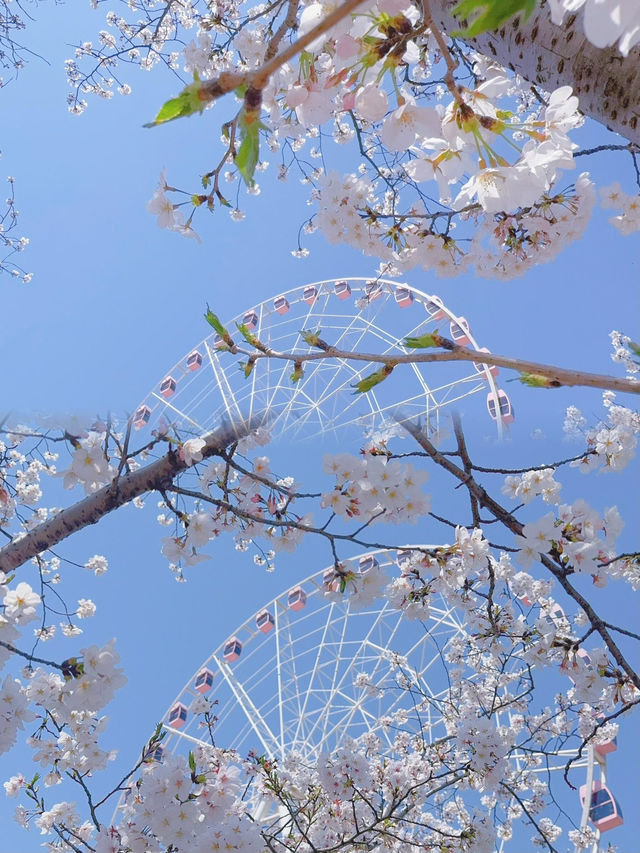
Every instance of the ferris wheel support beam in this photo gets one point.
(262, 730)
(314, 672)
(337, 685)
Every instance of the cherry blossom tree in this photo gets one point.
(458, 163)
(460, 137)
(510, 596)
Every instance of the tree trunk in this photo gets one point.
(607, 83)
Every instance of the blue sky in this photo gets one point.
(115, 302)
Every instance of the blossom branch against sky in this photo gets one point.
(532, 373)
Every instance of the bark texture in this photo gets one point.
(157, 475)
(607, 83)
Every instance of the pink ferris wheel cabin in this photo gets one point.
(297, 598)
(460, 332)
(502, 405)
(194, 360)
(204, 681)
(373, 290)
(366, 563)
(404, 297)
(178, 716)
(281, 305)
(604, 812)
(250, 320)
(265, 621)
(434, 307)
(310, 294)
(342, 289)
(232, 650)
(483, 368)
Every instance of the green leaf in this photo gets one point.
(422, 342)
(487, 15)
(246, 158)
(310, 337)
(246, 367)
(247, 334)
(175, 108)
(212, 320)
(635, 348)
(192, 762)
(313, 339)
(192, 99)
(298, 372)
(372, 380)
(537, 380)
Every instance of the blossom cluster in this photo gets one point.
(614, 197)
(252, 505)
(448, 176)
(375, 488)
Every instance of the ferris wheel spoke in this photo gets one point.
(289, 684)
(225, 390)
(320, 651)
(366, 644)
(262, 731)
(353, 660)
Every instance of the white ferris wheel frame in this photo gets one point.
(332, 314)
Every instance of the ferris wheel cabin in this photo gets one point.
(204, 681)
(178, 716)
(373, 290)
(366, 563)
(342, 289)
(502, 404)
(404, 297)
(310, 294)
(604, 812)
(141, 417)
(482, 368)
(265, 621)
(331, 580)
(434, 307)
(404, 557)
(460, 332)
(605, 748)
(281, 305)
(250, 320)
(232, 650)
(167, 387)
(194, 360)
(297, 598)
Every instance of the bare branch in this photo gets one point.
(558, 376)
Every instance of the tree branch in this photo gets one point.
(154, 477)
(557, 376)
(512, 523)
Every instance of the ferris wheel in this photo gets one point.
(288, 678)
(207, 386)
(308, 670)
